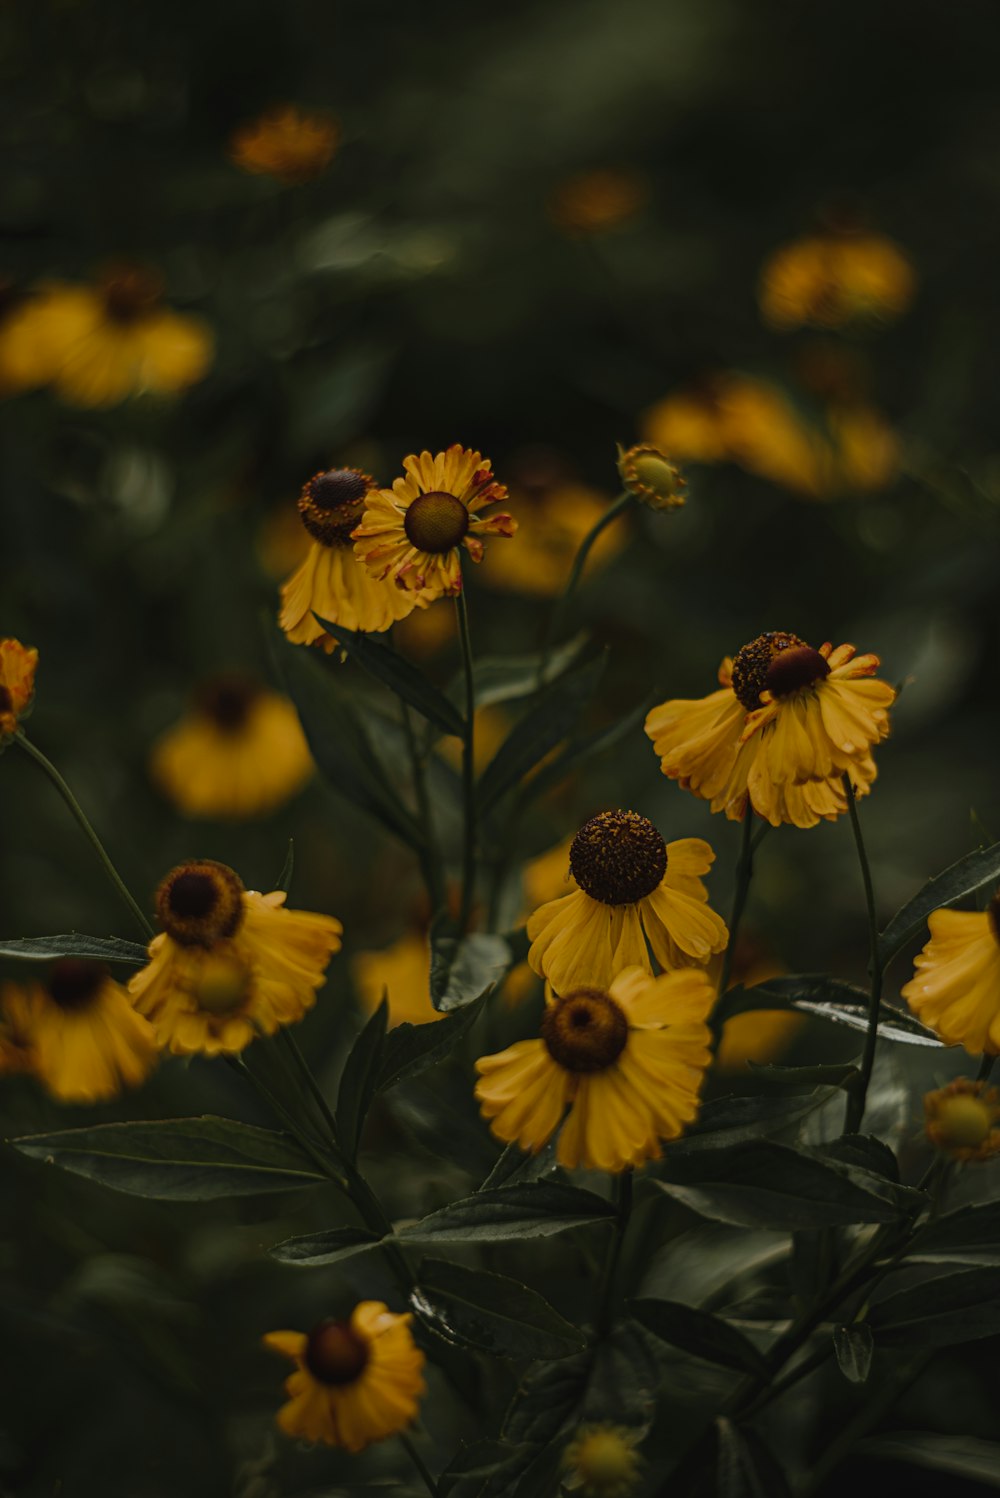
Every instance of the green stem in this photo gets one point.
(744, 873)
(561, 607)
(420, 1465)
(95, 842)
(430, 857)
(468, 766)
(857, 1097)
(605, 1315)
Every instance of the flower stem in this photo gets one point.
(420, 1464)
(430, 859)
(95, 842)
(744, 873)
(468, 766)
(985, 1067)
(561, 607)
(857, 1096)
(605, 1315)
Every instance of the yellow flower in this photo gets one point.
(286, 142)
(403, 971)
(81, 1036)
(238, 753)
(230, 963)
(551, 525)
(597, 199)
(331, 581)
(413, 532)
(96, 345)
(757, 1035)
(648, 475)
(601, 1461)
(17, 684)
(866, 450)
(632, 888)
(626, 1058)
(955, 988)
(786, 724)
(18, 1051)
(355, 1381)
(829, 280)
(961, 1120)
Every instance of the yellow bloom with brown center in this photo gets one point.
(651, 477)
(962, 1120)
(414, 532)
(17, 684)
(551, 525)
(401, 971)
(331, 582)
(286, 142)
(355, 1381)
(632, 887)
(230, 963)
(78, 1033)
(829, 280)
(786, 724)
(625, 1059)
(239, 752)
(97, 345)
(601, 1461)
(600, 198)
(955, 988)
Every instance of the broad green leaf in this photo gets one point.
(745, 1468)
(533, 1209)
(490, 1313)
(412, 1049)
(399, 675)
(961, 879)
(700, 1333)
(827, 998)
(47, 948)
(178, 1159)
(312, 1249)
(515, 1167)
(359, 1081)
(284, 881)
(463, 968)
(969, 1236)
(734, 1120)
(585, 747)
(960, 1456)
(854, 1346)
(959, 1307)
(505, 678)
(837, 1074)
(484, 1470)
(864, 1150)
(546, 1400)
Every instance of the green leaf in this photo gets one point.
(586, 747)
(313, 1249)
(359, 1080)
(463, 968)
(959, 1307)
(514, 1167)
(969, 1236)
(961, 1456)
(287, 868)
(484, 1470)
(745, 1468)
(547, 1398)
(532, 1209)
(46, 948)
(505, 678)
(490, 1313)
(837, 1074)
(399, 675)
(412, 1049)
(864, 1150)
(178, 1159)
(854, 1346)
(827, 998)
(962, 878)
(700, 1333)
(734, 1120)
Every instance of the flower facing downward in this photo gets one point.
(626, 1059)
(17, 684)
(355, 1381)
(648, 475)
(955, 988)
(962, 1118)
(833, 279)
(291, 144)
(413, 533)
(601, 1461)
(632, 887)
(230, 963)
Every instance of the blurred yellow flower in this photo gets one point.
(758, 1035)
(18, 1052)
(955, 988)
(17, 684)
(600, 198)
(402, 972)
(291, 144)
(601, 1461)
(828, 280)
(866, 451)
(551, 525)
(961, 1119)
(96, 345)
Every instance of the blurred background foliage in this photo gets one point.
(538, 223)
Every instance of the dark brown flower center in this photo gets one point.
(436, 522)
(129, 292)
(331, 504)
(227, 700)
(795, 668)
(200, 903)
(753, 662)
(74, 982)
(618, 857)
(335, 1353)
(584, 1031)
(6, 700)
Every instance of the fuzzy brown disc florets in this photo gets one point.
(74, 982)
(436, 522)
(227, 700)
(335, 1354)
(200, 902)
(585, 1030)
(753, 662)
(332, 503)
(794, 669)
(618, 857)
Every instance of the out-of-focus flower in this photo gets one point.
(961, 1119)
(18, 1052)
(600, 198)
(286, 142)
(401, 972)
(865, 450)
(282, 541)
(96, 345)
(955, 988)
(650, 477)
(757, 1035)
(829, 280)
(627, 1059)
(17, 685)
(355, 1381)
(601, 1461)
(551, 525)
(239, 752)
(413, 533)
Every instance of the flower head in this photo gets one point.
(626, 1059)
(600, 198)
(829, 280)
(631, 887)
(413, 533)
(552, 521)
(355, 1381)
(601, 1461)
(651, 477)
(17, 685)
(289, 143)
(955, 988)
(962, 1120)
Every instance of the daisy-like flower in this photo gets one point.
(355, 1381)
(413, 533)
(229, 963)
(601, 1461)
(291, 144)
(829, 280)
(962, 1120)
(632, 887)
(626, 1059)
(78, 1033)
(17, 685)
(96, 345)
(331, 582)
(650, 477)
(787, 723)
(955, 988)
(239, 752)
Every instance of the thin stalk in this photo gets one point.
(561, 607)
(430, 857)
(274, 1103)
(985, 1067)
(95, 842)
(605, 1315)
(420, 1464)
(468, 765)
(857, 1097)
(744, 873)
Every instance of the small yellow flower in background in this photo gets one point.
(601, 1461)
(291, 144)
(632, 887)
(403, 972)
(866, 451)
(230, 963)
(17, 684)
(355, 1381)
(551, 524)
(786, 724)
(331, 581)
(626, 1058)
(600, 198)
(239, 752)
(961, 1119)
(413, 533)
(955, 988)
(77, 1032)
(651, 477)
(757, 1035)
(829, 280)
(97, 345)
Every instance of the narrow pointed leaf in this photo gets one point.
(47, 948)
(284, 881)
(854, 1346)
(311, 1250)
(700, 1333)
(531, 1209)
(412, 1049)
(827, 998)
(969, 1236)
(491, 1313)
(359, 1080)
(962, 878)
(463, 968)
(959, 1456)
(580, 750)
(959, 1307)
(400, 676)
(506, 678)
